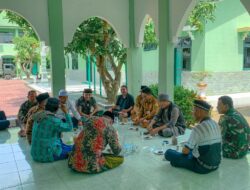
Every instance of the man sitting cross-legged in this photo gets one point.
(149, 108)
(202, 152)
(86, 105)
(64, 100)
(46, 143)
(235, 129)
(124, 103)
(4, 123)
(137, 107)
(42, 100)
(23, 111)
(87, 156)
(168, 121)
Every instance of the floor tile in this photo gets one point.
(38, 175)
(57, 184)
(24, 165)
(4, 145)
(20, 148)
(22, 156)
(9, 167)
(9, 180)
(19, 187)
(5, 150)
(4, 158)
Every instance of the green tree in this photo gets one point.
(27, 46)
(28, 49)
(21, 22)
(150, 38)
(202, 13)
(96, 38)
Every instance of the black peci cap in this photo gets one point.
(202, 104)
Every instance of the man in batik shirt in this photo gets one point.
(235, 130)
(137, 107)
(23, 111)
(42, 100)
(87, 156)
(149, 108)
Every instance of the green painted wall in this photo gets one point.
(198, 53)
(221, 49)
(150, 66)
(150, 61)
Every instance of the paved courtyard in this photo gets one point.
(12, 94)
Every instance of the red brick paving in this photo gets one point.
(12, 94)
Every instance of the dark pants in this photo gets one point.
(66, 149)
(4, 123)
(178, 159)
(169, 132)
(75, 122)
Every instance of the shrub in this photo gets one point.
(154, 89)
(183, 98)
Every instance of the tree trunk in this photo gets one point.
(25, 70)
(111, 85)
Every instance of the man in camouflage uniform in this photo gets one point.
(149, 108)
(42, 100)
(235, 129)
(138, 105)
(24, 109)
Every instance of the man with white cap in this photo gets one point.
(64, 100)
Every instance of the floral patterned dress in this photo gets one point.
(87, 153)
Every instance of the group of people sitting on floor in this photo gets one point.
(43, 119)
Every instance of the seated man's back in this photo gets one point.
(87, 153)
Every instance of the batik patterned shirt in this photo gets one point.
(30, 121)
(87, 154)
(139, 102)
(235, 134)
(149, 108)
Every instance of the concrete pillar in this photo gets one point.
(57, 45)
(166, 51)
(134, 56)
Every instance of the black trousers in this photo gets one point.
(4, 123)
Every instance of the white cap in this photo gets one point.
(63, 92)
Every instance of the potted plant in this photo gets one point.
(201, 84)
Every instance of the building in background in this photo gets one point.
(223, 50)
(8, 31)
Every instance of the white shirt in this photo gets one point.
(71, 108)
